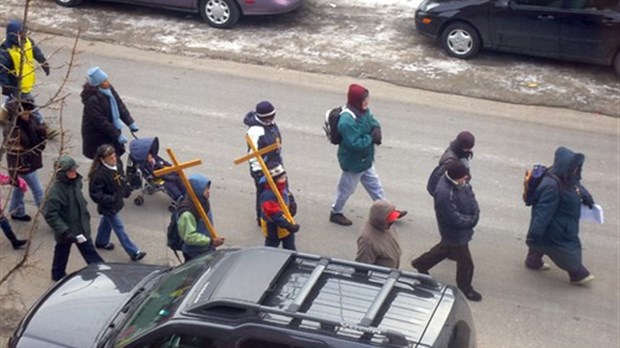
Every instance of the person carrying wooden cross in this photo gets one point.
(274, 224)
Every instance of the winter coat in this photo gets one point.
(8, 71)
(97, 125)
(25, 143)
(456, 210)
(65, 209)
(377, 243)
(262, 135)
(192, 229)
(554, 224)
(272, 218)
(107, 188)
(356, 152)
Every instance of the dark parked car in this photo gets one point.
(218, 13)
(576, 30)
(252, 298)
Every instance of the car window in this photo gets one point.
(183, 341)
(162, 300)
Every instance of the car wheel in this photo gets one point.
(69, 3)
(460, 40)
(221, 14)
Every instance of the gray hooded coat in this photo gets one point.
(377, 243)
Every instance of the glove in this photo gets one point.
(46, 68)
(587, 201)
(134, 127)
(22, 185)
(292, 205)
(122, 139)
(293, 228)
(67, 238)
(376, 135)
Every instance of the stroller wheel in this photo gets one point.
(138, 200)
(172, 208)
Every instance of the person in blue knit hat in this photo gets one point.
(105, 115)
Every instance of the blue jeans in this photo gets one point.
(113, 222)
(16, 206)
(61, 257)
(348, 183)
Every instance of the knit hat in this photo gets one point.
(277, 171)
(265, 109)
(457, 170)
(96, 76)
(356, 96)
(465, 140)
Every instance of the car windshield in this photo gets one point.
(161, 301)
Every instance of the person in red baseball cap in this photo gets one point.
(377, 243)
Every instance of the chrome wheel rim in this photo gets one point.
(217, 11)
(460, 41)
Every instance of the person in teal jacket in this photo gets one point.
(360, 132)
(554, 225)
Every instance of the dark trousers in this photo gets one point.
(534, 261)
(459, 253)
(288, 242)
(259, 189)
(61, 257)
(6, 228)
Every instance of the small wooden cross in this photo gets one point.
(258, 154)
(178, 168)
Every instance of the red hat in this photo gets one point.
(356, 96)
(393, 216)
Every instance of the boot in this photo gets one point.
(8, 232)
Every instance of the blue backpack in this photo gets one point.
(533, 178)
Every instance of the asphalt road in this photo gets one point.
(335, 38)
(196, 108)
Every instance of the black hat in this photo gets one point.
(457, 170)
(265, 109)
(465, 140)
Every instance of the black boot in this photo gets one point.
(8, 232)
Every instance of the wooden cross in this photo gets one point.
(178, 168)
(258, 154)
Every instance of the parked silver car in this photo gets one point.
(218, 13)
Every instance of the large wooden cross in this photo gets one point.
(258, 154)
(178, 168)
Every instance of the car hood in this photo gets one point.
(76, 310)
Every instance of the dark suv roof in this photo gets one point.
(318, 295)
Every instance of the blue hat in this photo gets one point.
(96, 76)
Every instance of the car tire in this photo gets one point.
(69, 3)
(221, 14)
(460, 40)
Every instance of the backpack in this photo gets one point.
(436, 175)
(173, 239)
(531, 181)
(330, 126)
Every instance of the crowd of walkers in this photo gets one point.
(553, 231)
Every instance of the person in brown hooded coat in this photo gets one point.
(377, 243)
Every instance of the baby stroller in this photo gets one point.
(143, 161)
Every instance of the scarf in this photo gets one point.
(116, 116)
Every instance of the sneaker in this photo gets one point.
(109, 246)
(585, 280)
(340, 219)
(17, 244)
(472, 295)
(401, 214)
(24, 217)
(545, 267)
(138, 256)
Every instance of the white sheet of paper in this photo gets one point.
(595, 214)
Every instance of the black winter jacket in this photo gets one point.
(456, 210)
(107, 189)
(25, 143)
(97, 125)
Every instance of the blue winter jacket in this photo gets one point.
(456, 210)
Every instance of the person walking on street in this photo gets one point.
(377, 243)
(25, 142)
(16, 243)
(67, 215)
(18, 54)
(457, 213)
(104, 115)
(107, 188)
(263, 131)
(554, 224)
(460, 149)
(193, 231)
(276, 228)
(360, 132)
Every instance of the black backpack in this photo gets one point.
(173, 239)
(436, 175)
(330, 126)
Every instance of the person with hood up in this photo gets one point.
(457, 213)
(11, 57)
(460, 149)
(25, 142)
(263, 131)
(554, 224)
(104, 115)
(192, 229)
(360, 132)
(107, 188)
(377, 243)
(67, 215)
(276, 228)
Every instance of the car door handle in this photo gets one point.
(545, 17)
